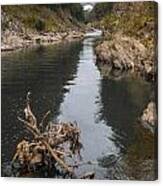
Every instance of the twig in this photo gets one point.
(67, 168)
(44, 117)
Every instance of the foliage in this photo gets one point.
(51, 17)
(136, 19)
(100, 10)
(40, 25)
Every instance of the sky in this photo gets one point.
(88, 7)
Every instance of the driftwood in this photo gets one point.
(56, 141)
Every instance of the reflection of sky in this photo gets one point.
(69, 81)
(104, 109)
(80, 105)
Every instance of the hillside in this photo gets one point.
(130, 35)
(25, 22)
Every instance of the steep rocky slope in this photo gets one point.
(23, 25)
(130, 38)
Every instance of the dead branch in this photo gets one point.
(50, 146)
(46, 141)
(29, 116)
(43, 119)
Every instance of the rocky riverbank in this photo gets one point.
(125, 53)
(130, 38)
(123, 56)
(12, 41)
(129, 48)
(24, 26)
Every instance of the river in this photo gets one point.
(64, 78)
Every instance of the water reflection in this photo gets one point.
(44, 71)
(121, 104)
(80, 104)
(65, 80)
(122, 100)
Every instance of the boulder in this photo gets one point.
(149, 116)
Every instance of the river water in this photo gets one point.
(64, 78)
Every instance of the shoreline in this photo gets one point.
(16, 42)
(122, 56)
(126, 54)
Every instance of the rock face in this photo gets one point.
(127, 54)
(149, 117)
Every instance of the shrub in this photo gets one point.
(40, 25)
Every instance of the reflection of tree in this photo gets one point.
(44, 72)
(140, 161)
(121, 103)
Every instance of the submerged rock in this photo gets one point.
(7, 171)
(108, 161)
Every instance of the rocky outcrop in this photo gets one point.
(16, 41)
(130, 38)
(149, 117)
(127, 54)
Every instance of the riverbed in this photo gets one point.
(64, 78)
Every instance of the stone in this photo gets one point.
(149, 116)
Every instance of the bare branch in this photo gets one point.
(44, 117)
(49, 142)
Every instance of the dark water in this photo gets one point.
(64, 79)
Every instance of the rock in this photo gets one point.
(108, 160)
(5, 48)
(117, 64)
(13, 40)
(7, 171)
(149, 117)
(88, 175)
(27, 37)
(127, 53)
